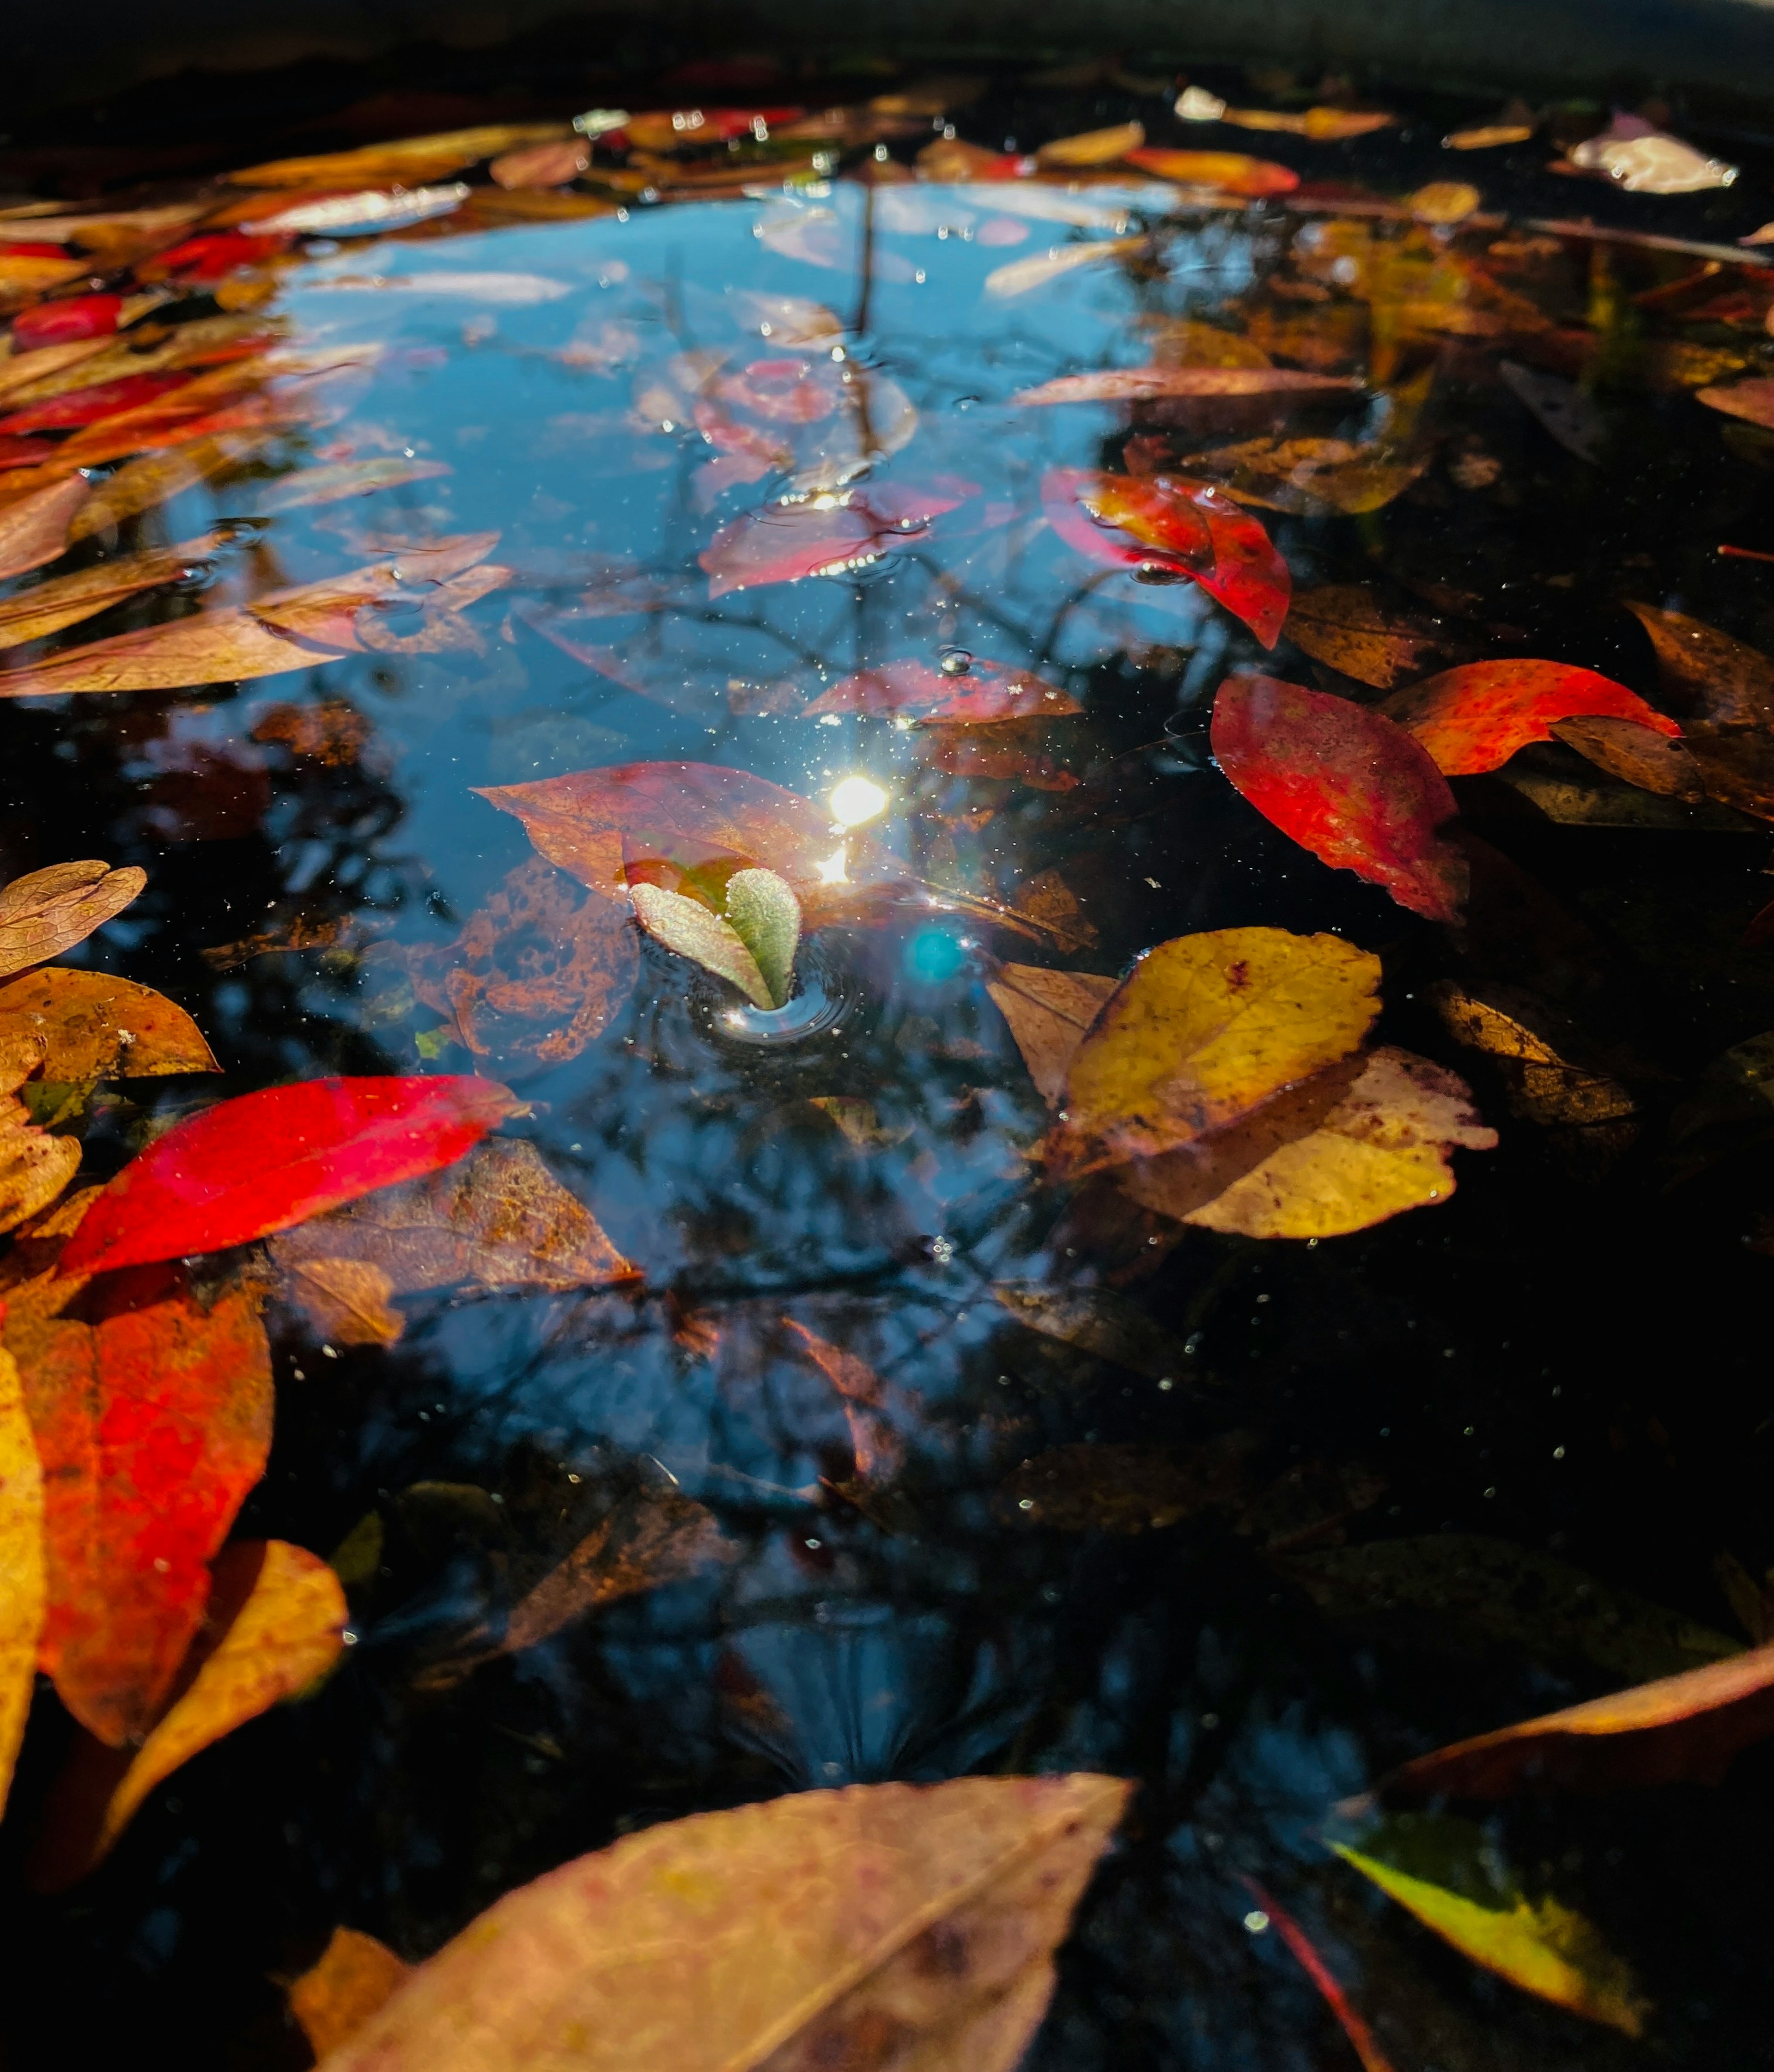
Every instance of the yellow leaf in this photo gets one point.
(95, 1026)
(21, 1566)
(812, 1929)
(337, 1995)
(287, 1630)
(1204, 1028)
(1540, 1945)
(1381, 1149)
(34, 1167)
(1093, 147)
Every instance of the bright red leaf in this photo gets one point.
(248, 1167)
(1346, 782)
(1165, 528)
(60, 323)
(982, 692)
(1474, 718)
(152, 1415)
(785, 541)
(87, 406)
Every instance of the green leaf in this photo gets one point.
(1539, 1945)
(767, 917)
(688, 926)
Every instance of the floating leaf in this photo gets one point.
(1021, 277)
(367, 213)
(34, 530)
(827, 537)
(695, 930)
(650, 1539)
(1705, 674)
(88, 404)
(153, 1419)
(767, 917)
(498, 1218)
(142, 484)
(208, 648)
(268, 1160)
(1751, 401)
(1098, 1321)
(1230, 171)
(1093, 147)
(1137, 384)
(498, 291)
(1685, 1726)
(1174, 529)
(1346, 782)
(1636, 755)
(1048, 1012)
(34, 1167)
(1205, 1028)
(1643, 160)
(1475, 717)
(543, 165)
(353, 1976)
(1313, 477)
(1324, 125)
(95, 1026)
(1444, 202)
(1343, 626)
(1382, 1149)
(1540, 1945)
(21, 1586)
(349, 477)
(47, 911)
(1488, 136)
(409, 162)
(980, 693)
(812, 1924)
(46, 608)
(62, 322)
(275, 1621)
(1465, 1583)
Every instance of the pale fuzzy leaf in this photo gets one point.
(798, 1931)
(766, 916)
(21, 1567)
(690, 929)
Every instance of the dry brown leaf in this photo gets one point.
(410, 162)
(1636, 755)
(1706, 675)
(47, 911)
(1050, 902)
(346, 1301)
(208, 648)
(337, 1993)
(1346, 627)
(95, 1027)
(823, 1928)
(35, 528)
(1048, 1012)
(46, 607)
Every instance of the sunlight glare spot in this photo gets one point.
(855, 799)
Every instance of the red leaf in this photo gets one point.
(152, 1418)
(25, 453)
(1474, 718)
(86, 406)
(210, 255)
(60, 323)
(1182, 528)
(785, 541)
(248, 1167)
(1345, 782)
(985, 692)
(1361, 2037)
(1689, 1725)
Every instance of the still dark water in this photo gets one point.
(1568, 1358)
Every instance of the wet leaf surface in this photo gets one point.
(1475, 717)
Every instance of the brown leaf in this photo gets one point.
(1636, 755)
(827, 1928)
(1554, 1074)
(1098, 1321)
(498, 1218)
(1345, 625)
(551, 165)
(34, 530)
(337, 1993)
(47, 911)
(651, 1538)
(141, 484)
(538, 971)
(1706, 674)
(1093, 1487)
(208, 648)
(1048, 1012)
(409, 162)
(46, 608)
(1050, 902)
(333, 732)
(95, 1026)
(868, 1404)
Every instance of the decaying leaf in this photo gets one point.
(869, 1405)
(859, 1122)
(1048, 1012)
(1204, 1028)
(274, 1622)
(1554, 1074)
(153, 1419)
(34, 1167)
(351, 1977)
(47, 911)
(21, 1586)
(1442, 1870)
(1050, 902)
(1475, 717)
(1511, 1596)
(498, 1218)
(651, 1538)
(1345, 625)
(808, 1929)
(1313, 477)
(1688, 1725)
(94, 1026)
(1346, 782)
(1098, 1321)
(1705, 674)
(1636, 755)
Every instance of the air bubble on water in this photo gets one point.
(954, 661)
(1158, 572)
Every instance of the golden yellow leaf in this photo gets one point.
(1205, 1028)
(354, 1974)
(1443, 201)
(21, 1567)
(47, 911)
(208, 648)
(819, 1928)
(34, 1167)
(95, 1026)
(1540, 1946)
(410, 160)
(1381, 1149)
(1048, 1012)
(141, 483)
(1093, 147)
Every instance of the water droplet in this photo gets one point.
(1158, 572)
(954, 661)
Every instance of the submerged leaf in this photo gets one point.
(1343, 626)
(1475, 717)
(1705, 674)
(650, 1539)
(1100, 1321)
(1346, 782)
(1205, 1028)
(29, 614)
(785, 542)
(268, 1160)
(47, 911)
(208, 648)
(814, 1925)
(1636, 755)
(1540, 1946)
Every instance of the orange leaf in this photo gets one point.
(34, 530)
(1230, 171)
(21, 1566)
(98, 1027)
(47, 911)
(1474, 718)
(208, 648)
(336, 1996)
